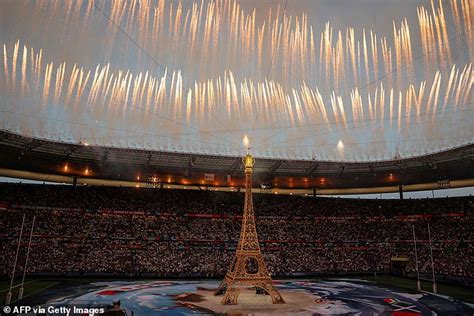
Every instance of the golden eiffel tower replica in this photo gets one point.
(248, 267)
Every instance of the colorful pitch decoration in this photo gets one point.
(336, 296)
(402, 308)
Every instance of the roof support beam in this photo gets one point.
(29, 147)
(104, 157)
(148, 160)
(69, 153)
(312, 169)
(275, 167)
(343, 167)
(235, 166)
(191, 162)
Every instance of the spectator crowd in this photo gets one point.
(191, 233)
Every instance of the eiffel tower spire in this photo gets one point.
(248, 267)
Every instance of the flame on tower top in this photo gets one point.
(246, 142)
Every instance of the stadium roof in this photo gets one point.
(166, 92)
(20, 152)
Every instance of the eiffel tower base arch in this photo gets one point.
(239, 277)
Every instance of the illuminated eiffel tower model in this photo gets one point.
(248, 267)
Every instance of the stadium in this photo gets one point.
(236, 157)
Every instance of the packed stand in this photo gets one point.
(187, 233)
